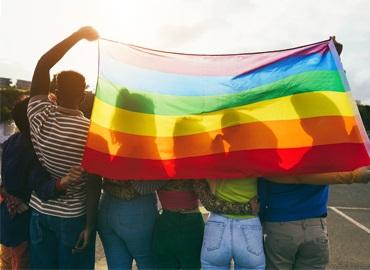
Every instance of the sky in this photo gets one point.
(28, 28)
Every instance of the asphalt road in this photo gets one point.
(349, 226)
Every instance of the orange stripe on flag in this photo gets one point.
(258, 135)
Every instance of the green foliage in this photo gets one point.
(8, 97)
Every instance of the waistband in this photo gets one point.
(318, 221)
(178, 200)
(222, 218)
(179, 211)
(124, 190)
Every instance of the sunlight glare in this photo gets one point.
(122, 20)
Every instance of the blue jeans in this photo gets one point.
(231, 238)
(126, 229)
(52, 240)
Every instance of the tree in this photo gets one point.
(8, 97)
(365, 115)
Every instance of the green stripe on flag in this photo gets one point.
(153, 103)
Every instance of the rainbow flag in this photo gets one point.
(163, 115)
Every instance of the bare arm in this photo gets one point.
(360, 175)
(48, 188)
(93, 186)
(41, 78)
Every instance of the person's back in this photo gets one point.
(59, 227)
(59, 136)
(16, 161)
(289, 202)
(20, 173)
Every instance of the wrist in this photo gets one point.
(247, 208)
(76, 36)
(61, 184)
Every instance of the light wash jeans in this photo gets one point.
(125, 229)
(231, 238)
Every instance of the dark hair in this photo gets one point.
(19, 114)
(70, 85)
(87, 104)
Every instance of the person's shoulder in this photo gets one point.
(17, 147)
(38, 104)
(11, 140)
(40, 101)
(39, 98)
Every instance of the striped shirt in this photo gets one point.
(59, 136)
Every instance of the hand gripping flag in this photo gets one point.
(162, 115)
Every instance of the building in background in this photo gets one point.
(23, 84)
(5, 82)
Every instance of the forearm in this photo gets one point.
(216, 205)
(93, 186)
(42, 183)
(41, 77)
(53, 56)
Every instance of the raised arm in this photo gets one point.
(41, 77)
(360, 175)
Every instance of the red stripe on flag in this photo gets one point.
(239, 164)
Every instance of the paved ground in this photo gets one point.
(349, 228)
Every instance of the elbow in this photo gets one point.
(43, 63)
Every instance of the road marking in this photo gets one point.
(350, 208)
(362, 227)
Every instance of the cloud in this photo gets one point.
(178, 35)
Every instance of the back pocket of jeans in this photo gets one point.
(213, 234)
(253, 238)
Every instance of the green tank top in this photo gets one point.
(237, 190)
